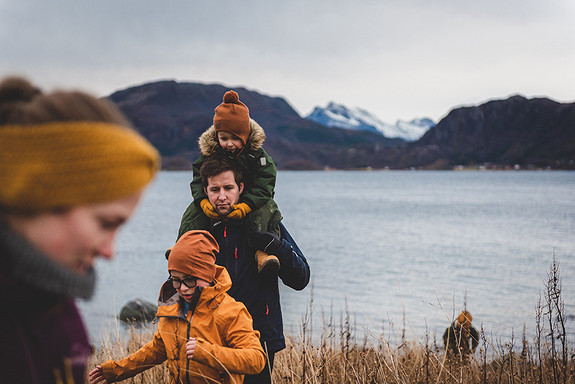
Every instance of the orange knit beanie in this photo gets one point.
(195, 254)
(233, 116)
(464, 318)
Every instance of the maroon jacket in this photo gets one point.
(42, 336)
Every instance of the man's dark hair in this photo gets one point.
(215, 164)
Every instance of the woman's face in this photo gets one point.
(77, 236)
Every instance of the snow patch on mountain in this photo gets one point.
(340, 116)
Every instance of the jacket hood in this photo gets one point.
(208, 140)
(169, 299)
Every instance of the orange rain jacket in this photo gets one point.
(227, 345)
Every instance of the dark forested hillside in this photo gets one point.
(173, 115)
(527, 132)
(515, 131)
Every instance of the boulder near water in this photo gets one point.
(138, 311)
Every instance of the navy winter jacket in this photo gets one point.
(260, 295)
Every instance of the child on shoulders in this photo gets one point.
(235, 135)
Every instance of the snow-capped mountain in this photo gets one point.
(340, 116)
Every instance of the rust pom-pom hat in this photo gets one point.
(233, 116)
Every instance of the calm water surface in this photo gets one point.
(395, 248)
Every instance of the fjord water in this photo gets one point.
(393, 249)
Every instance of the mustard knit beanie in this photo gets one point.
(65, 164)
(233, 116)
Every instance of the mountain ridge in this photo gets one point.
(172, 115)
(515, 131)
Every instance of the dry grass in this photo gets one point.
(337, 358)
(117, 345)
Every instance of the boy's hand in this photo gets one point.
(97, 375)
(208, 209)
(239, 211)
(191, 347)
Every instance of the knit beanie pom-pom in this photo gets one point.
(231, 97)
(233, 116)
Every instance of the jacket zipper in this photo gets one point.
(235, 252)
(188, 360)
(236, 261)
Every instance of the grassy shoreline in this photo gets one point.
(339, 356)
(338, 359)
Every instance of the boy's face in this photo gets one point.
(230, 142)
(183, 290)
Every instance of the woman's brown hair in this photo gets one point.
(23, 103)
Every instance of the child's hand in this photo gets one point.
(239, 211)
(208, 209)
(191, 347)
(97, 375)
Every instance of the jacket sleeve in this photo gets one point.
(149, 355)
(446, 338)
(474, 338)
(196, 186)
(294, 270)
(244, 354)
(263, 174)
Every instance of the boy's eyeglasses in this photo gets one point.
(189, 282)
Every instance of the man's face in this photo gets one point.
(223, 192)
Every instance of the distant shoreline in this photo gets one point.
(371, 169)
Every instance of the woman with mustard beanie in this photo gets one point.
(72, 171)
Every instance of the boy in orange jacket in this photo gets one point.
(203, 333)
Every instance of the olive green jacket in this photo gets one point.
(259, 171)
(258, 167)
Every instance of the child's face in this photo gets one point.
(230, 142)
(183, 290)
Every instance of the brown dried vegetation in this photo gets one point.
(338, 358)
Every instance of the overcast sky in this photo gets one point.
(399, 59)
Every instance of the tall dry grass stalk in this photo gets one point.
(119, 343)
(338, 357)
